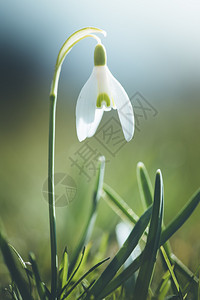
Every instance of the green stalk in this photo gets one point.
(65, 49)
(51, 195)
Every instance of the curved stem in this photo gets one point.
(51, 194)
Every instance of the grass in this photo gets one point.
(83, 277)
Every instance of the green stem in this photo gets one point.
(51, 194)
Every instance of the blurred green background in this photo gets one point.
(153, 50)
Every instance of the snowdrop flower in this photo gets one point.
(102, 92)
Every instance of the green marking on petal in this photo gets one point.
(99, 55)
(103, 97)
(113, 103)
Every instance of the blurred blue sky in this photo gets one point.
(152, 46)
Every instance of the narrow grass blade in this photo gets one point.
(172, 297)
(199, 288)
(184, 270)
(175, 224)
(19, 257)
(146, 194)
(152, 245)
(164, 286)
(176, 284)
(39, 284)
(122, 255)
(63, 270)
(13, 269)
(92, 217)
(119, 205)
(87, 273)
(145, 185)
(73, 274)
(122, 277)
(23, 264)
(86, 290)
(122, 232)
(134, 266)
(15, 292)
(190, 282)
(181, 218)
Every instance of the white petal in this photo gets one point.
(97, 120)
(102, 75)
(124, 107)
(85, 107)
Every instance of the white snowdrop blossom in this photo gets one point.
(102, 92)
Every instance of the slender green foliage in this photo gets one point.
(119, 206)
(145, 185)
(63, 270)
(14, 270)
(93, 213)
(182, 216)
(39, 284)
(164, 286)
(146, 194)
(73, 274)
(173, 276)
(51, 196)
(122, 255)
(82, 277)
(152, 245)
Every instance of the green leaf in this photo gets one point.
(192, 280)
(13, 269)
(152, 245)
(172, 297)
(184, 269)
(82, 277)
(92, 217)
(181, 218)
(176, 284)
(86, 290)
(122, 277)
(73, 274)
(23, 264)
(124, 252)
(15, 292)
(199, 288)
(19, 257)
(126, 213)
(145, 186)
(164, 286)
(39, 284)
(119, 205)
(146, 194)
(63, 270)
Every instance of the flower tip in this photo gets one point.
(105, 33)
(102, 159)
(140, 165)
(159, 175)
(80, 137)
(128, 139)
(158, 172)
(128, 135)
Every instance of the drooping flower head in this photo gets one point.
(102, 92)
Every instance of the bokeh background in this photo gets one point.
(153, 50)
